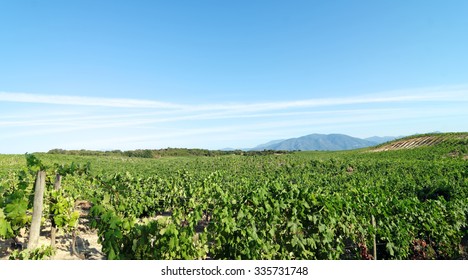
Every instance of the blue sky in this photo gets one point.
(215, 74)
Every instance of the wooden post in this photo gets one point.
(58, 182)
(37, 210)
(375, 239)
(53, 229)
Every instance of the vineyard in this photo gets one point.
(364, 204)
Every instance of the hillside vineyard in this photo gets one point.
(361, 204)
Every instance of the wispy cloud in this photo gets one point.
(262, 128)
(89, 122)
(449, 93)
(85, 101)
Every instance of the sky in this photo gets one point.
(107, 75)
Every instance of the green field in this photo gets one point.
(302, 205)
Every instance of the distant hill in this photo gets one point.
(266, 145)
(319, 142)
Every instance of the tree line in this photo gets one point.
(167, 152)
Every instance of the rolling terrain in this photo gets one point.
(409, 195)
(424, 140)
(322, 142)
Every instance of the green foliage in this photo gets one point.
(294, 209)
(168, 152)
(61, 210)
(17, 194)
(5, 226)
(171, 238)
(73, 169)
(41, 253)
(33, 163)
(15, 203)
(312, 205)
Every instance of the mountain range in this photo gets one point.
(322, 142)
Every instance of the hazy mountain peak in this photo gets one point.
(322, 142)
